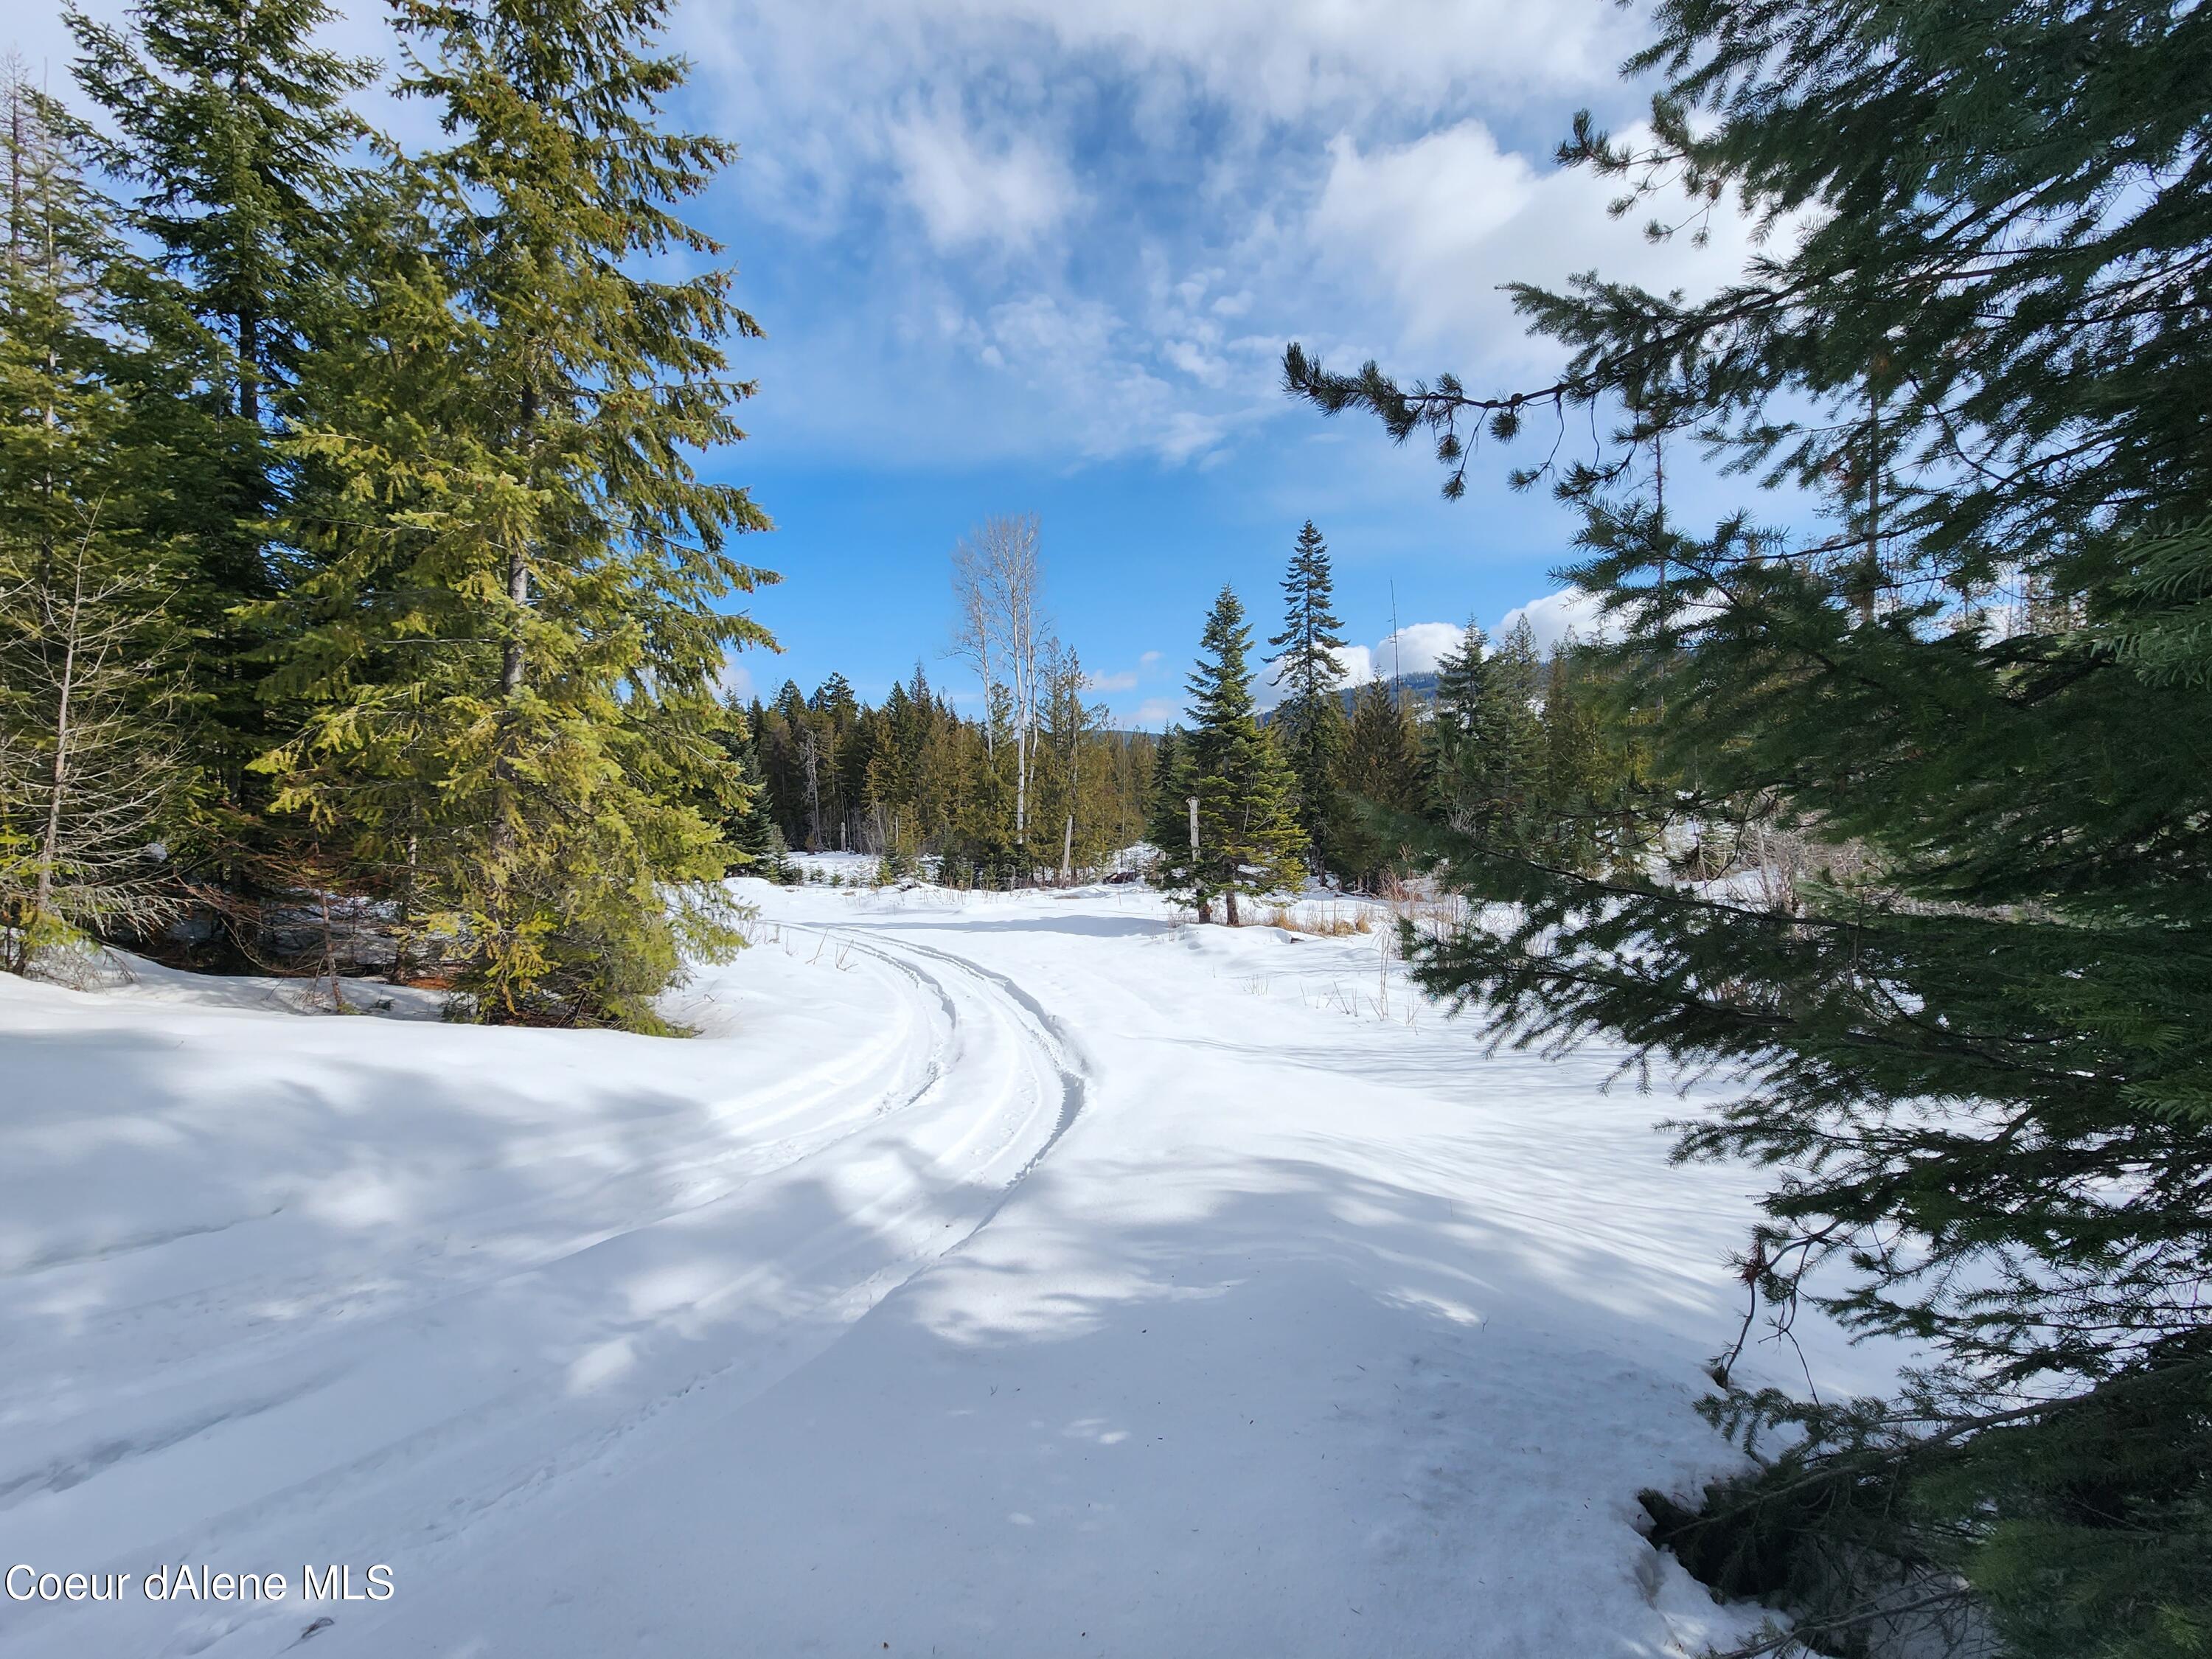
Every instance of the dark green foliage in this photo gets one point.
(910, 779)
(1167, 807)
(1309, 723)
(756, 846)
(1248, 840)
(1484, 742)
(93, 776)
(504, 629)
(1978, 1000)
(230, 131)
(1380, 776)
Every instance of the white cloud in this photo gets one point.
(1125, 681)
(1157, 173)
(1125, 207)
(1357, 663)
(1551, 618)
(971, 190)
(1416, 649)
(735, 680)
(1156, 711)
(1439, 224)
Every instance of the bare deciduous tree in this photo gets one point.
(89, 765)
(1002, 632)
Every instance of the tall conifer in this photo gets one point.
(509, 632)
(1309, 720)
(230, 130)
(1981, 1044)
(1379, 776)
(1483, 740)
(91, 773)
(1248, 840)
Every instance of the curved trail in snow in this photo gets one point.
(704, 1275)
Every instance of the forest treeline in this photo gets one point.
(1334, 782)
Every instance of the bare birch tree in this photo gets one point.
(1002, 632)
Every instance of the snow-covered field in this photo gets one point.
(996, 1276)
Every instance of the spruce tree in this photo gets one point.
(1483, 740)
(1167, 812)
(507, 633)
(92, 776)
(1309, 720)
(1248, 840)
(1578, 783)
(231, 131)
(1380, 777)
(1982, 1042)
(755, 847)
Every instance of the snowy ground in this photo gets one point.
(995, 1276)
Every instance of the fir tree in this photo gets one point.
(1248, 840)
(756, 849)
(1167, 812)
(91, 772)
(1380, 776)
(1483, 740)
(508, 634)
(1982, 1044)
(231, 129)
(1309, 720)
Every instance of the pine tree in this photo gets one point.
(1380, 777)
(1577, 781)
(1483, 740)
(1982, 1042)
(1167, 812)
(91, 773)
(756, 849)
(1248, 840)
(231, 129)
(506, 634)
(1309, 720)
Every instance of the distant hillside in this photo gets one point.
(1416, 687)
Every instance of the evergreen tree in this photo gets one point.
(1380, 776)
(756, 849)
(1167, 812)
(1483, 740)
(1982, 1043)
(1578, 782)
(232, 129)
(1309, 720)
(507, 635)
(1248, 840)
(91, 778)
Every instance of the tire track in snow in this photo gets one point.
(403, 1415)
(1056, 1038)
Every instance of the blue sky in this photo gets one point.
(1038, 256)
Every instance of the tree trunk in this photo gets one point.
(1229, 905)
(518, 593)
(1067, 850)
(50, 844)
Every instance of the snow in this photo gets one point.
(995, 1275)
